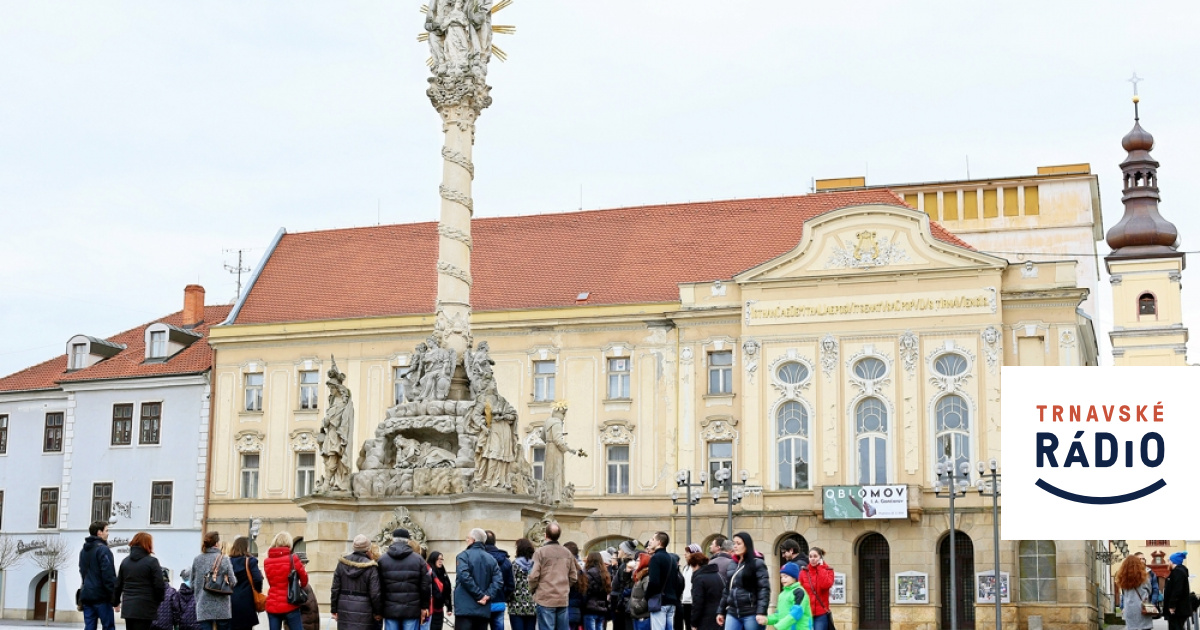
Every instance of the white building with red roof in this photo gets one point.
(114, 429)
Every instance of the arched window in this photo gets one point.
(871, 422)
(792, 373)
(953, 430)
(1147, 304)
(791, 432)
(1039, 581)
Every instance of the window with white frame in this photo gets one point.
(792, 373)
(158, 344)
(871, 431)
(543, 380)
(952, 430)
(1, 509)
(618, 469)
(101, 501)
(950, 364)
(309, 382)
(538, 455)
(306, 473)
(870, 369)
(791, 431)
(398, 393)
(720, 455)
(254, 391)
(161, 500)
(618, 378)
(54, 433)
(151, 423)
(1039, 576)
(249, 476)
(48, 509)
(78, 356)
(720, 372)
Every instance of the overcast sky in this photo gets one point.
(142, 143)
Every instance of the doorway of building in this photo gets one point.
(41, 598)
(799, 541)
(874, 583)
(964, 569)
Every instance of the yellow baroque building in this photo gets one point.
(832, 339)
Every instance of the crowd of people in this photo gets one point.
(404, 587)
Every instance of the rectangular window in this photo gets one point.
(54, 432)
(122, 425)
(306, 472)
(618, 378)
(720, 455)
(161, 494)
(151, 423)
(398, 394)
(539, 462)
(158, 344)
(1158, 543)
(543, 380)
(1, 509)
(48, 509)
(308, 389)
(250, 476)
(101, 501)
(254, 387)
(3, 434)
(720, 372)
(78, 355)
(618, 469)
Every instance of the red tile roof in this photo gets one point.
(129, 363)
(621, 256)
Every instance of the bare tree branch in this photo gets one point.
(53, 555)
(8, 553)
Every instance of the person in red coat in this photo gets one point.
(817, 579)
(278, 566)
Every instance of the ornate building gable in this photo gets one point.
(866, 239)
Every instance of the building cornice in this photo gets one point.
(176, 380)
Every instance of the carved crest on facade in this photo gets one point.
(303, 441)
(249, 441)
(869, 251)
(715, 428)
(616, 432)
(1066, 338)
(401, 518)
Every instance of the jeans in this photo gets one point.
(292, 619)
(497, 620)
(822, 622)
(522, 622)
(552, 618)
(593, 622)
(98, 613)
(743, 623)
(395, 624)
(663, 619)
(641, 624)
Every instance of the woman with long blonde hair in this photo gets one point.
(1134, 585)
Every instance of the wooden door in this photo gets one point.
(874, 583)
(964, 560)
(41, 594)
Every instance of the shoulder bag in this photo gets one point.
(295, 593)
(214, 585)
(260, 599)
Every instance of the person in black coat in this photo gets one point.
(98, 575)
(506, 573)
(249, 582)
(707, 589)
(140, 587)
(748, 591)
(354, 597)
(443, 591)
(404, 581)
(1177, 605)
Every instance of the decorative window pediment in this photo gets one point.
(617, 432)
(249, 441)
(870, 370)
(714, 428)
(791, 373)
(950, 366)
(303, 441)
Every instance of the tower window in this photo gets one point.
(1147, 304)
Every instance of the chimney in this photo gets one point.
(193, 305)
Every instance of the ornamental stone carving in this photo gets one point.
(616, 432)
(910, 349)
(950, 382)
(873, 385)
(401, 518)
(249, 441)
(459, 33)
(867, 253)
(303, 442)
(991, 347)
(333, 438)
(829, 355)
(750, 348)
(1029, 270)
(718, 428)
(1066, 338)
(791, 390)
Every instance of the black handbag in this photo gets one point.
(296, 594)
(212, 584)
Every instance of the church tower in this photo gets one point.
(1145, 265)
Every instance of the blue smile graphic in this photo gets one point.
(1080, 498)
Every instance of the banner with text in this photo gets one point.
(1099, 452)
(865, 502)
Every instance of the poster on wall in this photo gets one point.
(912, 587)
(985, 587)
(837, 593)
(865, 502)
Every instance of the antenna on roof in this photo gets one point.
(968, 167)
(239, 270)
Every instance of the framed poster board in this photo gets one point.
(837, 593)
(912, 587)
(985, 587)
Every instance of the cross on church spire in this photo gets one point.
(1135, 79)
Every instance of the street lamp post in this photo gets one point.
(991, 488)
(733, 491)
(955, 485)
(691, 495)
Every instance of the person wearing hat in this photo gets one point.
(791, 607)
(183, 607)
(354, 596)
(1177, 606)
(162, 619)
(405, 585)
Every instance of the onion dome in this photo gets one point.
(1142, 232)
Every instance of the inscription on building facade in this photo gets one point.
(969, 302)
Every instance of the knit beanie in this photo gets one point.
(1178, 557)
(791, 569)
(362, 543)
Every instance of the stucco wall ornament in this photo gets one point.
(458, 158)
(869, 386)
(616, 432)
(718, 289)
(868, 252)
(303, 442)
(249, 442)
(457, 197)
(449, 269)
(1066, 339)
(685, 355)
(950, 382)
(401, 518)
(715, 428)
(991, 347)
(750, 348)
(910, 348)
(746, 311)
(785, 388)
(455, 234)
(1029, 270)
(829, 355)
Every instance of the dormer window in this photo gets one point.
(84, 352)
(158, 344)
(78, 356)
(164, 341)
